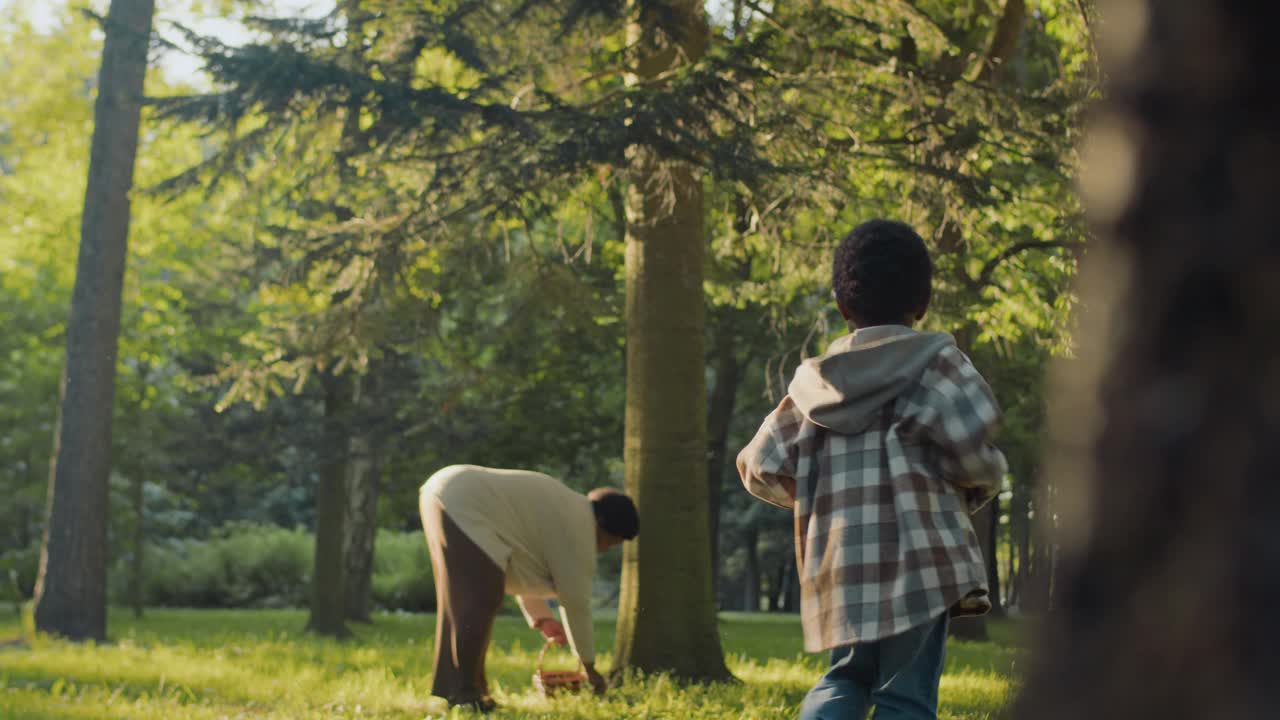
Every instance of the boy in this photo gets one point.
(882, 448)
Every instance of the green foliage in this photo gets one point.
(402, 577)
(240, 566)
(433, 128)
(18, 568)
(435, 207)
(243, 565)
(45, 131)
(211, 664)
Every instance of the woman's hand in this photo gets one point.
(598, 683)
(553, 631)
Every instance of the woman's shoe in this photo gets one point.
(484, 705)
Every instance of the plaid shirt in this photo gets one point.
(884, 542)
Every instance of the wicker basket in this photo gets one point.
(550, 682)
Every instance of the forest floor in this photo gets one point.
(259, 664)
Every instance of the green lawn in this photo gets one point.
(258, 664)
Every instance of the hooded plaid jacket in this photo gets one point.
(886, 440)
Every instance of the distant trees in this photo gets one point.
(437, 217)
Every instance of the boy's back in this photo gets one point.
(885, 438)
(882, 447)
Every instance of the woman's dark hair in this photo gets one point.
(882, 273)
(615, 513)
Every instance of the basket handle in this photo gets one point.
(543, 654)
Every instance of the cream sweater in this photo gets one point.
(541, 533)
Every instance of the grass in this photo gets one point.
(207, 664)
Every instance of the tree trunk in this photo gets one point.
(328, 598)
(1039, 590)
(777, 588)
(666, 614)
(362, 532)
(1020, 540)
(975, 628)
(1167, 425)
(71, 593)
(790, 591)
(990, 548)
(363, 487)
(137, 571)
(751, 585)
(1004, 41)
(728, 372)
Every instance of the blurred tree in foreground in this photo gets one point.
(1166, 435)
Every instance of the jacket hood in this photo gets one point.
(860, 373)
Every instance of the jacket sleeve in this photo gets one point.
(573, 566)
(767, 465)
(535, 609)
(964, 427)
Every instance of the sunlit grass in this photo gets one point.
(258, 664)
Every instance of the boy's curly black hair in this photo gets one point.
(882, 274)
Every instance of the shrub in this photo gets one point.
(244, 565)
(241, 565)
(402, 573)
(20, 565)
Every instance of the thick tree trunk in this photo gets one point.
(363, 487)
(666, 614)
(728, 373)
(328, 597)
(1168, 425)
(71, 593)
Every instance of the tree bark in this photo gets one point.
(975, 628)
(71, 592)
(1039, 589)
(990, 548)
(666, 614)
(790, 591)
(751, 584)
(1165, 435)
(1020, 545)
(777, 588)
(137, 571)
(363, 488)
(1004, 41)
(328, 597)
(728, 373)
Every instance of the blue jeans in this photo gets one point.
(898, 675)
